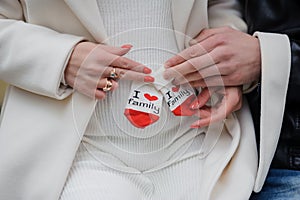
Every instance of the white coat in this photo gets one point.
(42, 124)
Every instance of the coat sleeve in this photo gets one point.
(280, 85)
(32, 57)
(275, 74)
(225, 13)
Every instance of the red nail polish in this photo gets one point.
(195, 125)
(147, 70)
(126, 46)
(148, 79)
(194, 105)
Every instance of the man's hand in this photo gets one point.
(221, 56)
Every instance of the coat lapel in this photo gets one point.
(88, 13)
(90, 17)
(181, 10)
(274, 86)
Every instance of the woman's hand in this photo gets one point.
(221, 56)
(91, 66)
(230, 100)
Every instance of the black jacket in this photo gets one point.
(280, 16)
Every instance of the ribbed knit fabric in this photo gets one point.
(114, 152)
(90, 180)
(147, 25)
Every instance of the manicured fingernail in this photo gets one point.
(147, 70)
(126, 46)
(195, 125)
(149, 79)
(194, 105)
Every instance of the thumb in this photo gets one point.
(206, 33)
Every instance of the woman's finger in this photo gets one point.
(231, 101)
(134, 76)
(203, 98)
(100, 56)
(99, 94)
(126, 63)
(120, 51)
(125, 74)
(104, 82)
(212, 115)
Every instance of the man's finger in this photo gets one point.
(187, 54)
(206, 33)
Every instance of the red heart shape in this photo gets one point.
(150, 98)
(175, 89)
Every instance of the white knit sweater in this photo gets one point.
(147, 25)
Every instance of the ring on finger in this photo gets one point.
(113, 74)
(108, 85)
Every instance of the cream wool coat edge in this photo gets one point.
(42, 124)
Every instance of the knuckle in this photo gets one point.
(219, 39)
(225, 53)
(124, 62)
(121, 73)
(119, 60)
(219, 55)
(194, 51)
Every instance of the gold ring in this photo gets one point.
(113, 74)
(108, 86)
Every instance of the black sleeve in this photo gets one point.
(280, 16)
(293, 95)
